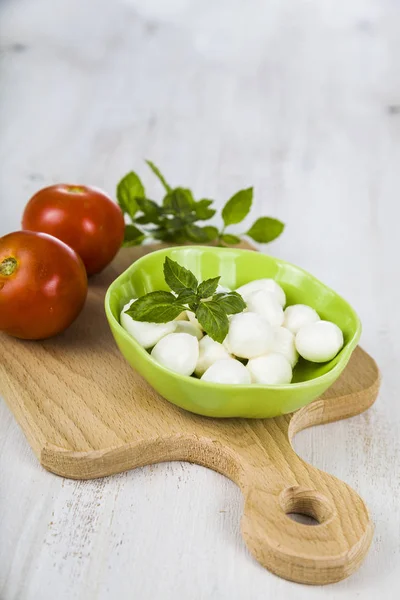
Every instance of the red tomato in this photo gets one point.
(83, 217)
(43, 285)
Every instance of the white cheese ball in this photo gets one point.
(284, 343)
(146, 334)
(192, 318)
(268, 285)
(272, 369)
(298, 315)
(319, 342)
(188, 327)
(178, 352)
(225, 343)
(267, 305)
(229, 371)
(249, 335)
(182, 316)
(209, 352)
(221, 289)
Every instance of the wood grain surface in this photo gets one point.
(300, 100)
(87, 414)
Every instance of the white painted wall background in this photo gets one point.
(300, 99)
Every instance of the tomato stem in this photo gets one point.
(8, 266)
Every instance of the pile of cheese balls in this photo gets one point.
(262, 346)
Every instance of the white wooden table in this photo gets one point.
(301, 100)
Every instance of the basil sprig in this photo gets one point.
(211, 308)
(179, 217)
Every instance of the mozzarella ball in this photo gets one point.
(225, 343)
(284, 343)
(227, 346)
(319, 342)
(227, 370)
(268, 285)
(192, 318)
(178, 352)
(209, 352)
(298, 315)
(188, 327)
(272, 369)
(146, 334)
(182, 316)
(222, 289)
(249, 335)
(267, 305)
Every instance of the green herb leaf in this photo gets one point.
(179, 202)
(155, 307)
(132, 236)
(231, 240)
(142, 220)
(158, 174)
(265, 230)
(177, 277)
(211, 232)
(165, 235)
(196, 234)
(207, 287)
(203, 210)
(213, 319)
(151, 211)
(128, 190)
(237, 208)
(230, 302)
(159, 233)
(176, 220)
(187, 297)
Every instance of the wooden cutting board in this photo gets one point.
(87, 414)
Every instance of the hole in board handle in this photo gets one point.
(302, 518)
(307, 507)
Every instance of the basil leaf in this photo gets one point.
(179, 202)
(168, 237)
(196, 233)
(213, 320)
(265, 230)
(177, 277)
(207, 288)
(158, 174)
(128, 190)
(237, 208)
(159, 234)
(155, 307)
(150, 209)
(143, 220)
(187, 297)
(202, 210)
(172, 224)
(231, 240)
(211, 232)
(132, 236)
(230, 302)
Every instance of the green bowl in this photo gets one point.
(235, 267)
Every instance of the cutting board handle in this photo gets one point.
(320, 554)
(276, 482)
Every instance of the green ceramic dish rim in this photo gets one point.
(345, 352)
